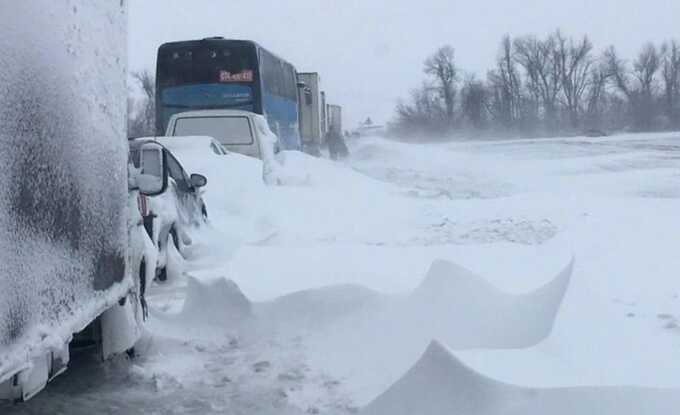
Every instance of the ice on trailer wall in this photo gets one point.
(63, 184)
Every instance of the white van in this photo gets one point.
(238, 131)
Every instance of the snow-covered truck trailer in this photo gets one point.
(63, 185)
(335, 117)
(311, 114)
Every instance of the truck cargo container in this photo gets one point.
(65, 269)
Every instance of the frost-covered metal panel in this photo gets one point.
(63, 177)
(335, 117)
(310, 107)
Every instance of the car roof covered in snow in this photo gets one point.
(191, 143)
(213, 113)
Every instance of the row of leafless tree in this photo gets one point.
(547, 86)
(142, 108)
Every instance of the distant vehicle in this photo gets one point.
(216, 73)
(370, 130)
(171, 213)
(334, 116)
(317, 117)
(312, 113)
(594, 133)
(237, 131)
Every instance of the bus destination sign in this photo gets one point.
(245, 75)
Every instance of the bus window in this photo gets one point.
(205, 65)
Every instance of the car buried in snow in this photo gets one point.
(238, 131)
(170, 216)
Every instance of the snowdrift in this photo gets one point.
(471, 313)
(369, 338)
(318, 308)
(440, 384)
(217, 301)
(452, 303)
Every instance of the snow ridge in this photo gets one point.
(440, 384)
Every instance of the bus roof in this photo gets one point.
(218, 40)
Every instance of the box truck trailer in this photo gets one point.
(69, 257)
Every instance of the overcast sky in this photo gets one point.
(370, 52)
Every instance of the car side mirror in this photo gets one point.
(153, 178)
(198, 180)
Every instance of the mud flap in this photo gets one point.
(34, 380)
(29, 382)
(60, 360)
(120, 329)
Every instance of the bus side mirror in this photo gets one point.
(301, 85)
(153, 177)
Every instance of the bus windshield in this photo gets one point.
(206, 64)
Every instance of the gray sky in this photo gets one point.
(370, 52)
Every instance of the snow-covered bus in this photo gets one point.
(217, 73)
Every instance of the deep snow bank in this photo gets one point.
(472, 313)
(216, 301)
(440, 384)
(370, 338)
(452, 304)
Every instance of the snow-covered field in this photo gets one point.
(501, 277)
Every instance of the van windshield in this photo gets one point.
(226, 130)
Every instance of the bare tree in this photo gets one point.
(596, 97)
(505, 88)
(618, 71)
(671, 80)
(538, 58)
(474, 103)
(639, 84)
(646, 67)
(424, 114)
(442, 67)
(141, 119)
(554, 82)
(574, 62)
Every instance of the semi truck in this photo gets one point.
(335, 117)
(317, 116)
(312, 112)
(71, 257)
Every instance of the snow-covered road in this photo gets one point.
(339, 281)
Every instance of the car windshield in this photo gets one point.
(226, 130)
